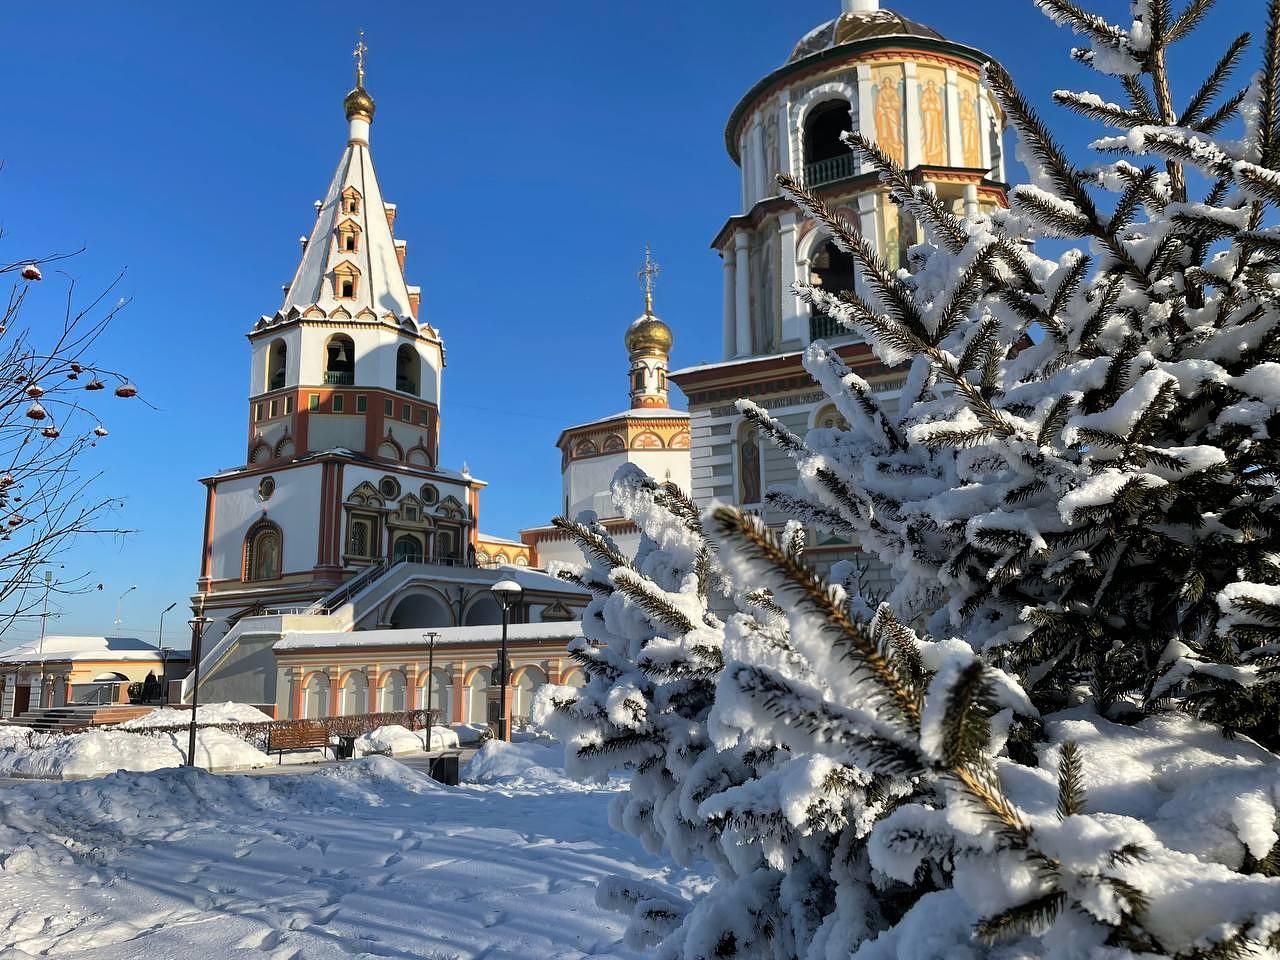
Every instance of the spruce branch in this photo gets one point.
(1071, 800)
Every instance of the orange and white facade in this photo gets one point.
(342, 521)
(918, 95)
(343, 437)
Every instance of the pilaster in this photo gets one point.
(914, 133)
(728, 333)
(866, 111)
(742, 294)
(955, 150)
(794, 325)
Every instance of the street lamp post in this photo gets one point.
(430, 637)
(197, 623)
(164, 659)
(44, 623)
(507, 592)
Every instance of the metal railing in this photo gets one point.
(829, 170)
(823, 327)
(339, 378)
(405, 385)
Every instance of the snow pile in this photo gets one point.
(395, 740)
(229, 712)
(530, 765)
(94, 753)
(470, 733)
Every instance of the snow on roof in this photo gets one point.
(491, 539)
(532, 579)
(380, 286)
(412, 637)
(86, 648)
(637, 413)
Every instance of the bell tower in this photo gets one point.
(648, 342)
(346, 361)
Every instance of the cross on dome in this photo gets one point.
(647, 275)
(359, 53)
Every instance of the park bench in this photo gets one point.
(299, 735)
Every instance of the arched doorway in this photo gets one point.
(407, 548)
(421, 610)
(484, 611)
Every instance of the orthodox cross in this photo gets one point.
(359, 53)
(646, 275)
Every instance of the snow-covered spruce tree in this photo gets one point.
(1082, 478)
(767, 821)
(1079, 487)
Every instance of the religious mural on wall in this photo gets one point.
(890, 235)
(932, 86)
(749, 467)
(888, 88)
(970, 145)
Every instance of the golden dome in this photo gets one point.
(358, 103)
(648, 335)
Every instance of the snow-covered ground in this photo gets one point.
(93, 753)
(366, 859)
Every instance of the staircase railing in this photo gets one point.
(340, 594)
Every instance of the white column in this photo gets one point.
(914, 135)
(728, 343)
(742, 294)
(793, 326)
(757, 160)
(866, 112)
(744, 168)
(867, 224)
(955, 149)
(971, 200)
(784, 137)
(984, 127)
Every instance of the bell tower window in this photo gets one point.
(277, 356)
(408, 369)
(833, 270)
(340, 361)
(826, 159)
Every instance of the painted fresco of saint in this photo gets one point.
(932, 119)
(889, 118)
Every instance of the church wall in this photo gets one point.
(294, 506)
(292, 337)
(587, 483)
(336, 430)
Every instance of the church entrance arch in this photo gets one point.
(483, 612)
(421, 610)
(407, 548)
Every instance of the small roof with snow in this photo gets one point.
(445, 636)
(64, 648)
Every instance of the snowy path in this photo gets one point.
(369, 860)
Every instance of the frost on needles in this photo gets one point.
(1055, 737)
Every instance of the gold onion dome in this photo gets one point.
(648, 334)
(358, 103)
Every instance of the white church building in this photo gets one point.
(342, 541)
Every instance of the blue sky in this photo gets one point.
(533, 150)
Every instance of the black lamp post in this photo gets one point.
(430, 637)
(164, 659)
(198, 623)
(507, 593)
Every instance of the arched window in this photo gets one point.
(276, 364)
(262, 552)
(832, 270)
(441, 695)
(355, 694)
(315, 703)
(359, 545)
(408, 369)
(394, 692)
(346, 281)
(351, 200)
(478, 699)
(407, 548)
(826, 159)
(340, 360)
(523, 690)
